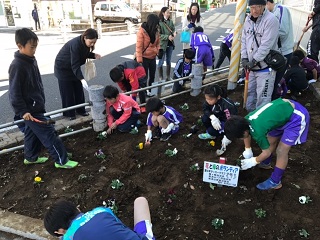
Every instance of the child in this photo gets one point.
(122, 111)
(183, 68)
(64, 219)
(27, 98)
(283, 122)
(225, 49)
(200, 43)
(310, 66)
(165, 118)
(130, 75)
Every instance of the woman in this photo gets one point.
(167, 35)
(192, 20)
(147, 47)
(67, 68)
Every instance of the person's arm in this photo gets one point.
(109, 116)
(134, 82)
(139, 45)
(315, 73)
(263, 155)
(185, 23)
(163, 33)
(177, 68)
(127, 110)
(285, 25)
(75, 58)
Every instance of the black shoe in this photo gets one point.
(165, 137)
(72, 118)
(157, 133)
(84, 114)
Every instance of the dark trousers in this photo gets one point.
(224, 52)
(38, 134)
(150, 66)
(207, 123)
(313, 47)
(279, 76)
(142, 94)
(131, 121)
(37, 23)
(71, 93)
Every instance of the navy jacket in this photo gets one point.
(223, 109)
(73, 54)
(26, 92)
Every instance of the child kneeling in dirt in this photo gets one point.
(182, 69)
(122, 111)
(281, 120)
(165, 118)
(64, 219)
(217, 108)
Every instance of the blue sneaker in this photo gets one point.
(269, 184)
(206, 136)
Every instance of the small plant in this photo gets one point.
(99, 154)
(303, 233)
(187, 135)
(171, 153)
(82, 177)
(102, 136)
(184, 107)
(217, 223)
(69, 155)
(140, 146)
(116, 184)
(37, 181)
(134, 130)
(195, 167)
(305, 199)
(260, 213)
(111, 203)
(212, 143)
(172, 196)
(199, 122)
(68, 129)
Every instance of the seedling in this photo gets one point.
(217, 223)
(134, 130)
(82, 177)
(187, 135)
(172, 196)
(212, 143)
(37, 181)
(140, 146)
(195, 167)
(171, 153)
(111, 203)
(69, 155)
(303, 233)
(184, 107)
(199, 122)
(102, 136)
(99, 154)
(116, 184)
(68, 129)
(305, 199)
(260, 213)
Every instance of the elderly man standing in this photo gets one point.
(259, 36)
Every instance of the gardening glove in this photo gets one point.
(191, 25)
(225, 142)
(85, 84)
(248, 163)
(215, 122)
(250, 64)
(247, 153)
(244, 61)
(148, 135)
(168, 129)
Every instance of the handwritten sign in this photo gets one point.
(222, 174)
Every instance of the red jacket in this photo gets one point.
(124, 103)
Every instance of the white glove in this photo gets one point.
(312, 81)
(225, 142)
(215, 122)
(85, 84)
(247, 153)
(148, 135)
(248, 163)
(168, 129)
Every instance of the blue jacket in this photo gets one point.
(73, 54)
(26, 92)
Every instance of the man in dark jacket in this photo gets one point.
(35, 17)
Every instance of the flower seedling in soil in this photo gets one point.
(260, 213)
(69, 156)
(82, 177)
(134, 130)
(187, 135)
(140, 146)
(99, 154)
(217, 223)
(172, 196)
(303, 233)
(171, 153)
(116, 184)
(195, 167)
(305, 199)
(199, 122)
(212, 143)
(37, 181)
(184, 107)
(102, 136)
(111, 203)
(68, 129)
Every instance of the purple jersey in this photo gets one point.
(199, 39)
(310, 64)
(228, 40)
(172, 115)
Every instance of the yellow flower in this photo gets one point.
(140, 145)
(37, 179)
(212, 143)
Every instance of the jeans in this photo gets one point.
(166, 54)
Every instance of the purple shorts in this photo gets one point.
(203, 54)
(295, 131)
(144, 228)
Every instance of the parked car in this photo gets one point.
(107, 11)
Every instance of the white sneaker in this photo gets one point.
(149, 94)
(241, 81)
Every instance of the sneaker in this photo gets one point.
(157, 133)
(269, 184)
(69, 164)
(264, 165)
(39, 160)
(241, 81)
(206, 136)
(165, 137)
(149, 94)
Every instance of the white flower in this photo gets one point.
(303, 199)
(175, 151)
(104, 133)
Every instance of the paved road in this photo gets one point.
(114, 48)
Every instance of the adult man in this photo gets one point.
(285, 41)
(259, 36)
(35, 16)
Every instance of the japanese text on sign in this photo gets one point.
(222, 174)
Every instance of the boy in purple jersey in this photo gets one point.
(311, 67)
(225, 49)
(165, 118)
(200, 43)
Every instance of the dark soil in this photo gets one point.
(182, 205)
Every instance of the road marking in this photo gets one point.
(4, 83)
(3, 92)
(229, 30)
(220, 39)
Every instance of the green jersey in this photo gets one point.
(266, 118)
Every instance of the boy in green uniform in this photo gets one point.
(282, 120)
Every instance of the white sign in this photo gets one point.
(221, 174)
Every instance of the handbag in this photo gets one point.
(185, 37)
(90, 71)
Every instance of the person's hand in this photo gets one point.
(244, 61)
(113, 125)
(174, 34)
(305, 29)
(191, 25)
(97, 56)
(215, 122)
(247, 153)
(85, 84)
(148, 135)
(110, 130)
(250, 64)
(312, 81)
(248, 163)
(225, 142)
(27, 116)
(170, 37)
(168, 129)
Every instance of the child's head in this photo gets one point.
(213, 93)
(294, 61)
(299, 54)
(154, 105)
(27, 41)
(189, 55)
(111, 93)
(59, 216)
(236, 127)
(116, 74)
(198, 29)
